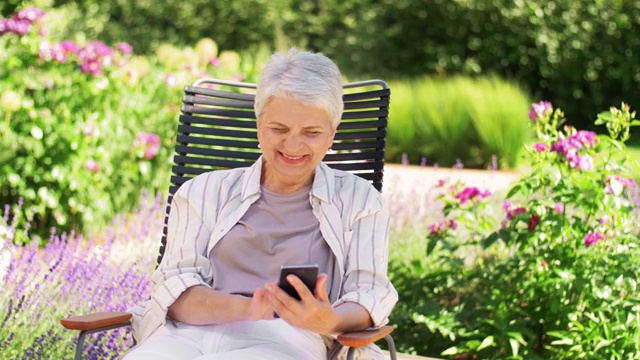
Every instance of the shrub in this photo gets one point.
(458, 119)
(553, 276)
(87, 126)
(73, 275)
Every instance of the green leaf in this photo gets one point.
(450, 351)
(488, 341)
(433, 241)
(514, 190)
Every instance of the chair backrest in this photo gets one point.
(217, 130)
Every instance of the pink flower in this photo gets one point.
(29, 14)
(539, 110)
(170, 80)
(569, 148)
(593, 237)
(442, 182)
(89, 129)
(540, 147)
(149, 142)
(124, 48)
(471, 193)
(512, 210)
(615, 184)
(69, 47)
(94, 56)
(440, 228)
(92, 166)
(215, 62)
(558, 208)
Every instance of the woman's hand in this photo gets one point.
(260, 307)
(315, 313)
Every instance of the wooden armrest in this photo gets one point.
(365, 337)
(95, 321)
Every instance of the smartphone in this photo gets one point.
(308, 273)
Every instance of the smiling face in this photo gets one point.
(294, 138)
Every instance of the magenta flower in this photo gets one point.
(124, 48)
(20, 27)
(441, 227)
(94, 56)
(593, 237)
(29, 14)
(70, 47)
(540, 147)
(512, 210)
(471, 193)
(215, 62)
(570, 147)
(558, 208)
(539, 110)
(149, 142)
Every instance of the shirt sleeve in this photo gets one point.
(185, 262)
(367, 250)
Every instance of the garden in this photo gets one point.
(545, 268)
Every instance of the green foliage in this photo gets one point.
(581, 55)
(87, 127)
(471, 119)
(236, 25)
(553, 277)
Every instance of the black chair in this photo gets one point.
(217, 130)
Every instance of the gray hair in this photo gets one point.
(308, 77)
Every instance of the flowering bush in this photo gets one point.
(73, 275)
(549, 271)
(87, 126)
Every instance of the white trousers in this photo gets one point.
(266, 340)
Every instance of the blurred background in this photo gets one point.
(463, 73)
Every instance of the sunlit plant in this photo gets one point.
(554, 274)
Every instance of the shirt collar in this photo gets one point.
(323, 184)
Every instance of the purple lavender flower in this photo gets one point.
(405, 159)
(593, 237)
(149, 142)
(539, 110)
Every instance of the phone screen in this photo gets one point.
(308, 273)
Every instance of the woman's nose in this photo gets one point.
(292, 142)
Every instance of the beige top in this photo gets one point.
(277, 229)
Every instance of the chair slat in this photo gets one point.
(187, 139)
(213, 121)
(216, 131)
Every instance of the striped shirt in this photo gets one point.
(353, 221)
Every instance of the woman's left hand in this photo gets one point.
(313, 313)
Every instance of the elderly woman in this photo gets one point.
(214, 295)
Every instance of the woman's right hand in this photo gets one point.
(260, 307)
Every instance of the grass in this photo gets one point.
(458, 119)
